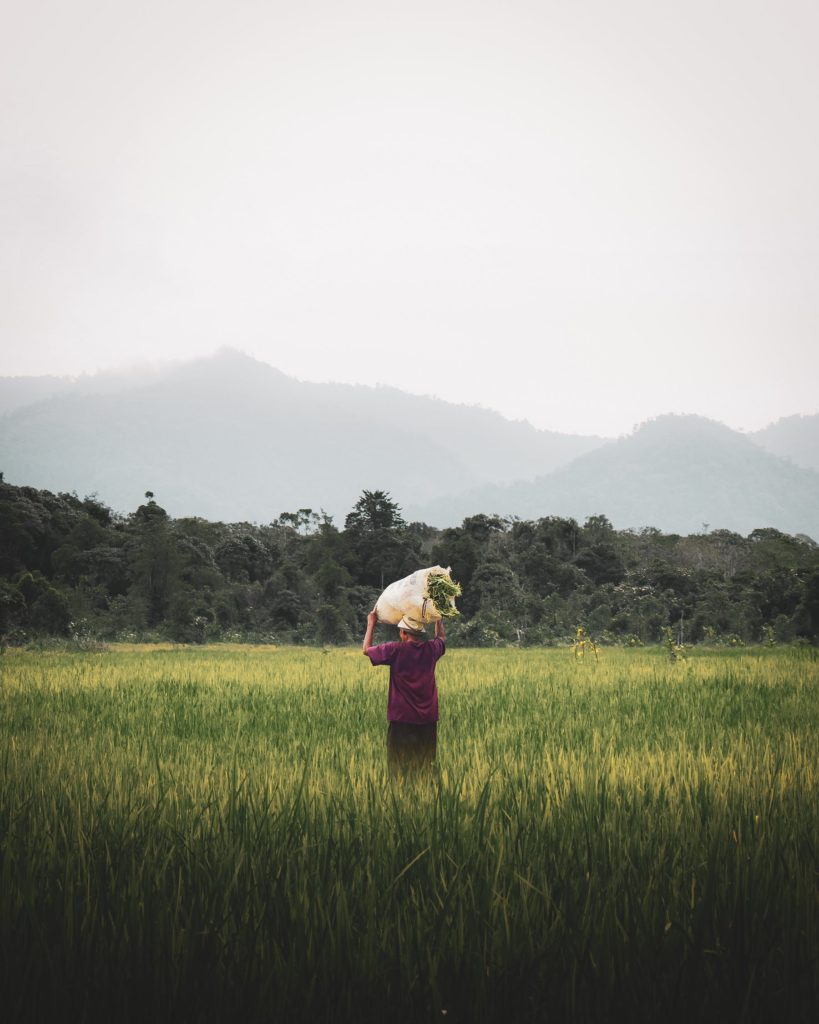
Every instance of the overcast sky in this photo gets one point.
(582, 214)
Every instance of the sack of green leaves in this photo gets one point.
(426, 595)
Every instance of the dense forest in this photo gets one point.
(72, 568)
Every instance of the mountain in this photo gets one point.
(17, 392)
(230, 438)
(677, 473)
(793, 437)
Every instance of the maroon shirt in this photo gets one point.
(413, 695)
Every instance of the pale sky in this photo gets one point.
(582, 214)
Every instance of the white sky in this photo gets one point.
(583, 214)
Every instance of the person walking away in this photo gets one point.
(412, 700)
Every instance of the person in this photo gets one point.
(412, 701)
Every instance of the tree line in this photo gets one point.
(72, 567)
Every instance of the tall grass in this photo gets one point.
(212, 835)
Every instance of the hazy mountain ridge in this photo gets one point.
(792, 437)
(20, 392)
(677, 473)
(232, 438)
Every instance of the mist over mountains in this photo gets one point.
(684, 474)
(793, 437)
(230, 438)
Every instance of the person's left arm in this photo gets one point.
(440, 634)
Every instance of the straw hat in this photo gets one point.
(411, 626)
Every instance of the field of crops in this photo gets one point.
(211, 835)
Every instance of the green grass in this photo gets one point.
(210, 834)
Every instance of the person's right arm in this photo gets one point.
(372, 622)
(440, 632)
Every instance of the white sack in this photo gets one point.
(408, 597)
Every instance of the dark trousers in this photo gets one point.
(411, 747)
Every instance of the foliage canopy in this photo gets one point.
(72, 566)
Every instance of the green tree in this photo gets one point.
(155, 563)
(806, 617)
(601, 563)
(330, 625)
(46, 609)
(383, 547)
(372, 513)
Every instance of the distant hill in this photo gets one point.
(794, 437)
(677, 473)
(230, 438)
(16, 392)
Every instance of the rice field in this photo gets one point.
(211, 834)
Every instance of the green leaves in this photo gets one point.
(442, 589)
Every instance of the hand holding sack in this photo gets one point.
(427, 595)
